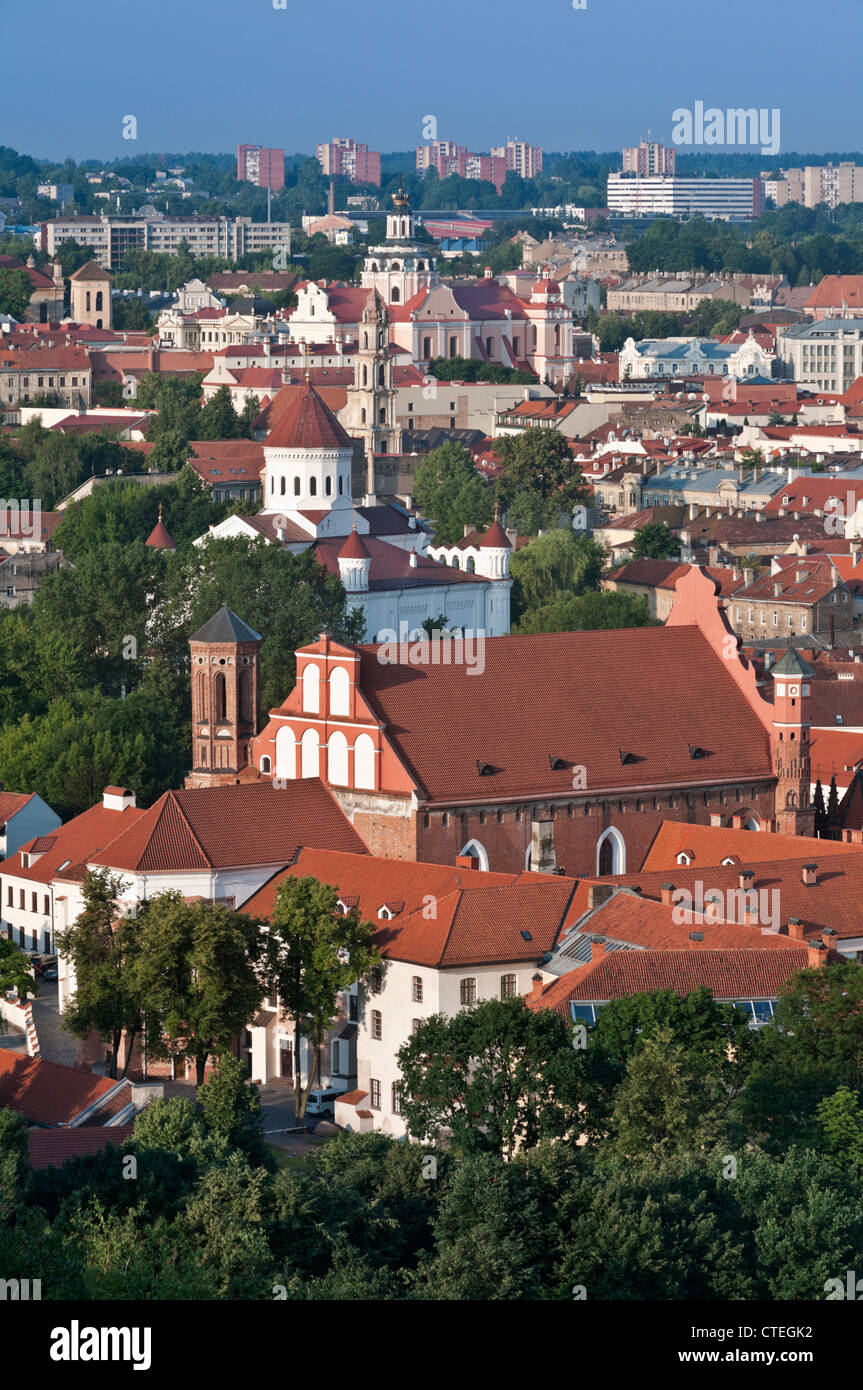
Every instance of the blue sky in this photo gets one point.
(207, 74)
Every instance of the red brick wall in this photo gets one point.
(575, 837)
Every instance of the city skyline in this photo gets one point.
(397, 72)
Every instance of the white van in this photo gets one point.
(323, 1102)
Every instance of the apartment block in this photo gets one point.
(347, 159)
(734, 200)
(111, 237)
(260, 165)
(649, 158)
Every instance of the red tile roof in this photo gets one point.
(308, 423)
(391, 567)
(837, 291)
(220, 827)
(711, 844)
(75, 842)
(647, 923)
(11, 803)
(660, 691)
(49, 1094)
(51, 1148)
(727, 974)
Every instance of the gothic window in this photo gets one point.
(220, 695)
(247, 704)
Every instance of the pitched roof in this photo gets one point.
(160, 537)
(246, 824)
(655, 691)
(481, 926)
(51, 1148)
(792, 664)
(11, 803)
(308, 423)
(648, 924)
(73, 843)
(710, 844)
(91, 271)
(353, 548)
(495, 537)
(225, 626)
(391, 566)
(727, 974)
(49, 1094)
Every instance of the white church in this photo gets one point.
(380, 552)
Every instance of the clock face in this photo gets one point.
(793, 690)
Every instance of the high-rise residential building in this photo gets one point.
(260, 165)
(648, 158)
(736, 200)
(345, 158)
(817, 183)
(448, 159)
(521, 158)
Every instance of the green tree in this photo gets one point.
(103, 948)
(540, 461)
(667, 1107)
(232, 1108)
(199, 977)
(448, 489)
(840, 1117)
(560, 563)
(499, 1076)
(655, 541)
(587, 613)
(131, 315)
(218, 419)
(14, 973)
(15, 292)
(313, 952)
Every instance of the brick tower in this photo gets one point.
(225, 698)
(795, 814)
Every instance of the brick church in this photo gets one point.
(564, 755)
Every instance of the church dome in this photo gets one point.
(308, 423)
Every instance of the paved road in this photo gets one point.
(55, 1044)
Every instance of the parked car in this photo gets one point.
(42, 963)
(323, 1102)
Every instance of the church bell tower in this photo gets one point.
(794, 813)
(225, 662)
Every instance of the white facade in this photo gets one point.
(652, 357)
(731, 199)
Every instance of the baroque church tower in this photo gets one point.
(225, 698)
(370, 413)
(403, 266)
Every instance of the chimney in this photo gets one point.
(535, 986)
(598, 893)
(713, 555)
(466, 861)
(795, 929)
(667, 894)
(597, 948)
(816, 955)
(412, 559)
(810, 873)
(117, 798)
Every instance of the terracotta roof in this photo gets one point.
(353, 548)
(648, 924)
(51, 1148)
(352, 1097)
(219, 827)
(367, 882)
(160, 537)
(711, 844)
(391, 567)
(49, 1094)
(495, 537)
(660, 691)
(91, 271)
(727, 974)
(11, 803)
(75, 842)
(308, 423)
(833, 291)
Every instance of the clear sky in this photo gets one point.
(207, 74)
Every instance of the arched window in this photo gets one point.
(265, 763)
(328, 486)
(364, 762)
(470, 565)
(311, 688)
(282, 488)
(611, 853)
(381, 381)
(337, 760)
(286, 753)
(313, 487)
(311, 759)
(296, 487)
(219, 693)
(363, 415)
(88, 301)
(474, 848)
(382, 415)
(247, 703)
(340, 687)
(396, 294)
(98, 301)
(365, 375)
(201, 687)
